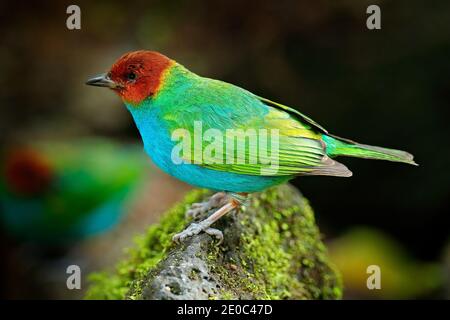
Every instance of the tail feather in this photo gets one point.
(337, 146)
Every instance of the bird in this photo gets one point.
(171, 105)
(57, 193)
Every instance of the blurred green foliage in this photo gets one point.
(401, 277)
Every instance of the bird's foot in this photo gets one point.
(196, 228)
(215, 201)
(205, 225)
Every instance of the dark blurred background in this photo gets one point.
(388, 87)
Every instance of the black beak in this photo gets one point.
(102, 81)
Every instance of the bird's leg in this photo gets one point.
(234, 201)
(205, 225)
(215, 201)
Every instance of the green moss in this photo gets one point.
(149, 250)
(282, 255)
(272, 250)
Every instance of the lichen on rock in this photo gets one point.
(272, 250)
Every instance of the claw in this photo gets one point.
(196, 228)
(192, 230)
(215, 233)
(205, 225)
(197, 209)
(200, 208)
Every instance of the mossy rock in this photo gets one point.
(272, 250)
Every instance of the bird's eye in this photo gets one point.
(131, 76)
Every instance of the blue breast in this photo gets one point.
(158, 145)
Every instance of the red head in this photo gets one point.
(135, 76)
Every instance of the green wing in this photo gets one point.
(298, 150)
(268, 138)
(294, 112)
